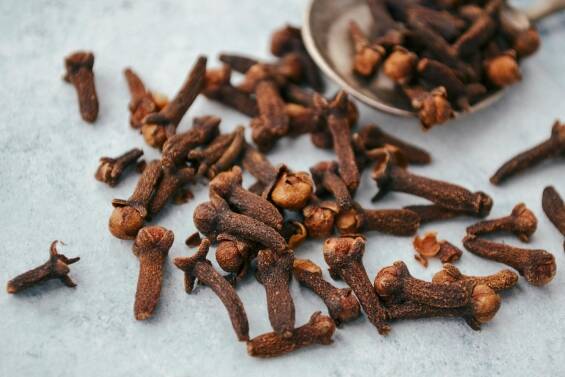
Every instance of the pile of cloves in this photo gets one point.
(257, 230)
(443, 56)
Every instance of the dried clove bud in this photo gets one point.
(400, 65)
(342, 304)
(343, 255)
(151, 245)
(272, 122)
(142, 102)
(318, 330)
(521, 222)
(171, 184)
(228, 186)
(433, 212)
(390, 175)
(129, 215)
(552, 147)
(398, 222)
(207, 155)
(111, 169)
(504, 279)
(327, 179)
(230, 155)
(433, 107)
(234, 254)
(198, 267)
(429, 246)
(368, 56)
(481, 308)
(158, 127)
(217, 87)
(536, 266)
(554, 208)
(394, 284)
(503, 70)
(438, 74)
(57, 267)
(215, 217)
(319, 217)
(371, 137)
(79, 72)
(274, 273)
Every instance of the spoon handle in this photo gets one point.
(544, 8)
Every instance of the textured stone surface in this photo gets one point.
(48, 156)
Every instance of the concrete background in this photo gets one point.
(48, 157)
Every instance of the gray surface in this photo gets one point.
(48, 157)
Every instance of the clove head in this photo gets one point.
(339, 251)
(125, 222)
(525, 222)
(319, 218)
(527, 42)
(486, 303)
(226, 182)
(388, 281)
(232, 253)
(292, 190)
(206, 218)
(153, 240)
(503, 70)
(541, 269)
(400, 65)
(435, 108)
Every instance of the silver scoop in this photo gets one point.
(326, 35)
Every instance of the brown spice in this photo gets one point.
(198, 267)
(234, 254)
(552, 147)
(343, 255)
(504, 279)
(158, 127)
(326, 176)
(390, 175)
(319, 217)
(215, 217)
(503, 70)
(433, 212)
(318, 330)
(142, 102)
(111, 169)
(432, 106)
(151, 245)
(342, 304)
(400, 65)
(79, 72)
(536, 266)
(394, 284)
(230, 155)
(368, 56)
(295, 233)
(521, 222)
(57, 267)
(554, 208)
(481, 308)
(129, 215)
(217, 87)
(228, 186)
(274, 273)
(398, 222)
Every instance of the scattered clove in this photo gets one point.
(398, 222)
(554, 208)
(391, 175)
(111, 169)
(143, 102)
(57, 267)
(327, 179)
(521, 222)
(343, 255)
(79, 72)
(198, 267)
(552, 147)
(502, 280)
(151, 246)
(158, 127)
(433, 212)
(319, 217)
(318, 330)
(536, 266)
(274, 273)
(394, 284)
(342, 304)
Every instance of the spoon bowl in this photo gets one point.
(325, 33)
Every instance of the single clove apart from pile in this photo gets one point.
(443, 59)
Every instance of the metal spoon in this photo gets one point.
(326, 36)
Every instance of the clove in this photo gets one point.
(536, 266)
(342, 304)
(554, 208)
(521, 222)
(433, 212)
(110, 169)
(57, 267)
(234, 254)
(274, 273)
(343, 255)
(318, 330)
(325, 174)
(217, 87)
(368, 56)
(79, 72)
(319, 217)
(198, 267)
(552, 147)
(502, 280)
(398, 222)
(432, 106)
(151, 246)
(142, 102)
